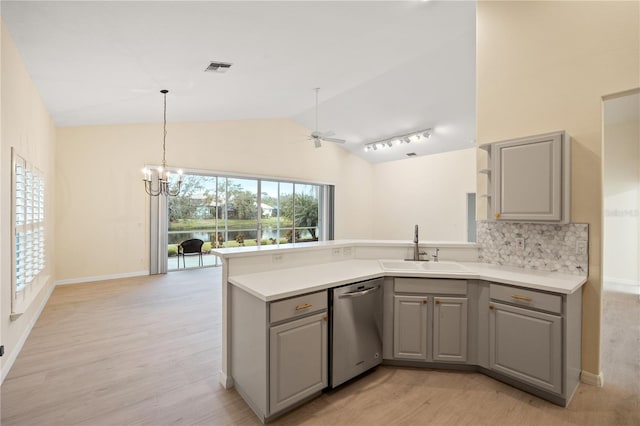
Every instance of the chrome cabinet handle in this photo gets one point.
(360, 293)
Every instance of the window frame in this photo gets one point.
(28, 214)
(159, 212)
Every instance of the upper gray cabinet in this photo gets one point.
(530, 179)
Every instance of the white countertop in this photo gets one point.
(288, 282)
(283, 248)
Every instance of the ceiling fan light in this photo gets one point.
(317, 143)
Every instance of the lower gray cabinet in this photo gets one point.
(526, 345)
(430, 328)
(410, 327)
(450, 329)
(297, 360)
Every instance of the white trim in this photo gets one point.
(621, 285)
(101, 278)
(225, 381)
(6, 367)
(592, 379)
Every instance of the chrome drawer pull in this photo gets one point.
(305, 306)
(525, 298)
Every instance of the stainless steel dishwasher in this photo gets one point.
(356, 329)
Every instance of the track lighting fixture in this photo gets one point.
(398, 140)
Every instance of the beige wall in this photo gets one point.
(429, 191)
(544, 66)
(25, 125)
(621, 198)
(102, 220)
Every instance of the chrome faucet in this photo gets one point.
(416, 249)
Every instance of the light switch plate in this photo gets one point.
(278, 258)
(347, 251)
(520, 244)
(336, 252)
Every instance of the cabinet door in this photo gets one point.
(526, 345)
(298, 360)
(528, 181)
(410, 327)
(450, 329)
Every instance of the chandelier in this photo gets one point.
(163, 186)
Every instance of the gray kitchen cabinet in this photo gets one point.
(279, 350)
(297, 360)
(535, 339)
(430, 322)
(531, 178)
(410, 327)
(526, 344)
(450, 329)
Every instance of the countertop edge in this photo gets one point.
(269, 249)
(379, 272)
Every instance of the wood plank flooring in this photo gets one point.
(146, 351)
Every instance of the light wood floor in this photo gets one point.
(146, 351)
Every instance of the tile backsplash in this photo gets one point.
(546, 247)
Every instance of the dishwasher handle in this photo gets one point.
(360, 293)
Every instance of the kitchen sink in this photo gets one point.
(411, 265)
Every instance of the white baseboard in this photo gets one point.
(621, 285)
(101, 278)
(14, 353)
(225, 381)
(592, 379)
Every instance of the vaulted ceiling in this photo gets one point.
(384, 67)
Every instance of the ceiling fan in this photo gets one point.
(319, 137)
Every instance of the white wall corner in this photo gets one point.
(592, 379)
(101, 278)
(13, 355)
(225, 381)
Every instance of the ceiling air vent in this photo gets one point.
(411, 154)
(219, 67)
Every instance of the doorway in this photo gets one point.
(621, 242)
(236, 211)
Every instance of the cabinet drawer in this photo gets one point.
(297, 306)
(430, 285)
(526, 298)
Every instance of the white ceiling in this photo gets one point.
(384, 67)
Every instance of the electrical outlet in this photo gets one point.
(520, 244)
(581, 247)
(336, 252)
(278, 258)
(346, 251)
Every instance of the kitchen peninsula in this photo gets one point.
(520, 326)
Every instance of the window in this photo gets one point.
(234, 211)
(28, 222)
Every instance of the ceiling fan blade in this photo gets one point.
(334, 140)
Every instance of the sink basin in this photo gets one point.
(410, 265)
(401, 265)
(443, 266)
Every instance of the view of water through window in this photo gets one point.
(227, 212)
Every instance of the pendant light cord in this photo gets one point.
(164, 137)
